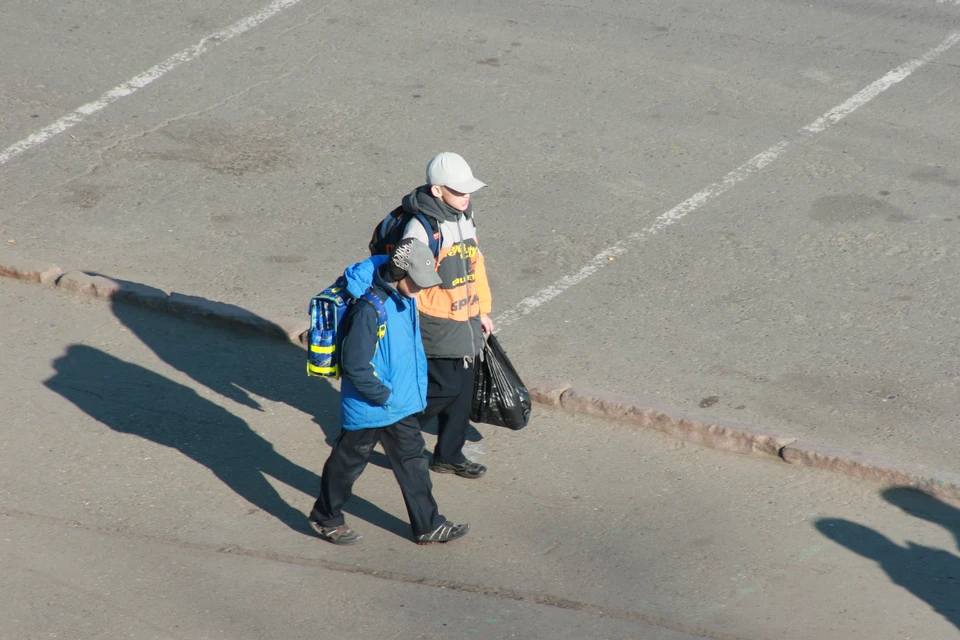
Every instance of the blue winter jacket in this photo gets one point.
(383, 380)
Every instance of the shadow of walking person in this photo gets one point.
(926, 507)
(237, 365)
(131, 399)
(931, 574)
(234, 364)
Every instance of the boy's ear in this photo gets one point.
(396, 274)
(435, 191)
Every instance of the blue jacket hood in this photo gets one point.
(360, 275)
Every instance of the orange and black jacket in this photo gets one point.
(450, 313)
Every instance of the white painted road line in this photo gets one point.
(697, 200)
(873, 90)
(145, 78)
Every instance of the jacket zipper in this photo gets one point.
(466, 279)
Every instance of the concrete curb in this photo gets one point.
(173, 303)
(31, 271)
(702, 430)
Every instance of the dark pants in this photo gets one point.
(449, 398)
(403, 445)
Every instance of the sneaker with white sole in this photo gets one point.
(444, 533)
(342, 535)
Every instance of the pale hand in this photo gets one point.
(486, 324)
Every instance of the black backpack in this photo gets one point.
(389, 232)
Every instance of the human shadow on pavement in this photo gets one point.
(921, 504)
(131, 399)
(931, 574)
(237, 364)
(233, 363)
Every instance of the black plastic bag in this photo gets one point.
(499, 395)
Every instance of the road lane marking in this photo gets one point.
(140, 81)
(871, 91)
(741, 173)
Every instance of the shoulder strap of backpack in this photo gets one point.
(390, 220)
(432, 227)
(375, 302)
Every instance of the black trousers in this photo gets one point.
(403, 444)
(449, 398)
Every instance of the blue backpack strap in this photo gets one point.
(385, 225)
(433, 237)
(374, 300)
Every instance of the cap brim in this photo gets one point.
(467, 186)
(426, 278)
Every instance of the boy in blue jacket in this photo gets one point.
(383, 387)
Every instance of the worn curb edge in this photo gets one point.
(717, 434)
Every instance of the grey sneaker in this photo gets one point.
(342, 535)
(444, 533)
(468, 469)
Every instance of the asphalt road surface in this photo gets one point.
(746, 206)
(155, 477)
(745, 209)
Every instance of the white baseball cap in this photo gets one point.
(451, 170)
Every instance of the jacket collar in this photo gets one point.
(381, 284)
(420, 200)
